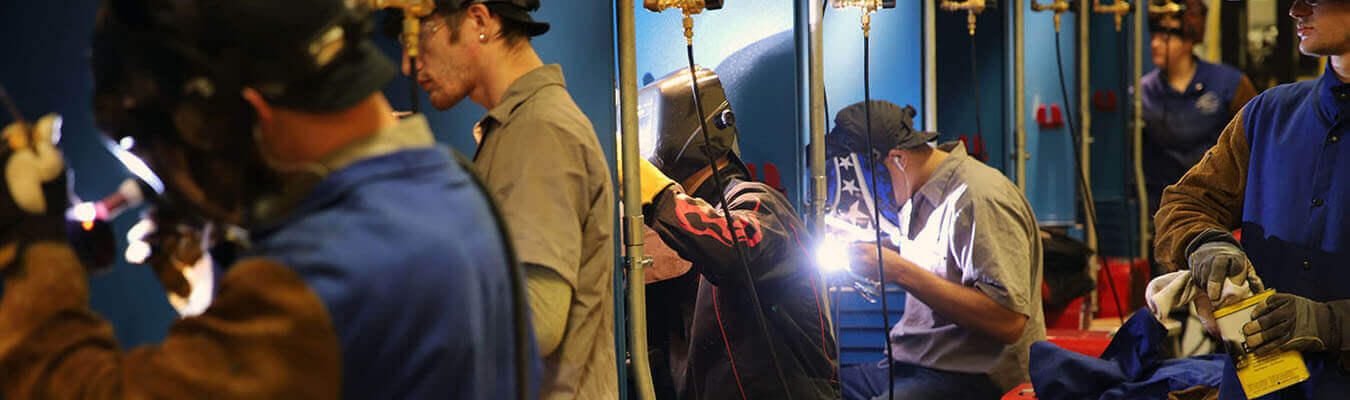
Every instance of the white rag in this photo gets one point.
(1175, 291)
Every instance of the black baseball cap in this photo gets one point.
(515, 10)
(309, 55)
(892, 128)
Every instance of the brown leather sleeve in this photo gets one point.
(1209, 196)
(266, 336)
(1245, 92)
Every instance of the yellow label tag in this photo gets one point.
(1262, 375)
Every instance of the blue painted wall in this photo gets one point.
(47, 70)
(1050, 188)
(1112, 169)
(956, 88)
(896, 52)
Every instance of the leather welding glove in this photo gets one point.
(1288, 322)
(1214, 257)
(653, 180)
(36, 197)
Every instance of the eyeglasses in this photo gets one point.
(429, 26)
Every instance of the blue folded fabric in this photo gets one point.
(1130, 368)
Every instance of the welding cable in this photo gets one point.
(412, 85)
(735, 235)
(876, 213)
(1089, 209)
(1127, 162)
(975, 88)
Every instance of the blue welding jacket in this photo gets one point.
(1295, 222)
(1180, 126)
(404, 252)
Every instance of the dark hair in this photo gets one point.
(513, 31)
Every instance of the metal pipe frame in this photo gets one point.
(930, 67)
(632, 201)
(1085, 135)
(1137, 125)
(1019, 94)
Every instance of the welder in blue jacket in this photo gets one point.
(377, 269)
(1280, 173)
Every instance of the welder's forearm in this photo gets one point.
(46, 326)
(550, 300)
(966, 306)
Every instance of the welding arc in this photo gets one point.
(735, 234)
(1089, 209)
(876, 213)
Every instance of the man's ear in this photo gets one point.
(259, 104)
(479, 16)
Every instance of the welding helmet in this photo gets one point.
(669, 128)
(168, 74)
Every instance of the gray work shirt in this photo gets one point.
(542, 162)
(971, 226)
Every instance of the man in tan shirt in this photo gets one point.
(543, 164)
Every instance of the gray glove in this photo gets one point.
(1214, 261)
(1289, 322)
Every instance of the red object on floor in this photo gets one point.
(1021, 392)
(1088, 343)
(1065, 318)
(1129, 280)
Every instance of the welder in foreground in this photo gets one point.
(360, 281)
(729, 355)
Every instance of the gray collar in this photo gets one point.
(941, 178)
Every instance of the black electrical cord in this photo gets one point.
(1127, 167)
(975, 87)
(1089, 209)
(731, 226)
(412, 85)
(876, 214)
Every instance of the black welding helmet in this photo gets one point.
(168, 74)
(669, 129)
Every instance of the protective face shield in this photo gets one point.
(668, 125)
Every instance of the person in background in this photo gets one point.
(1187, 101)
(543, 164)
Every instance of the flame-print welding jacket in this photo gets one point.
(729, 353)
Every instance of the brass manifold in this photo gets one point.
(688, 7)
(1118, 9)
(867, 6)
(971, 7)
(413, 12)
(1057, 6)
